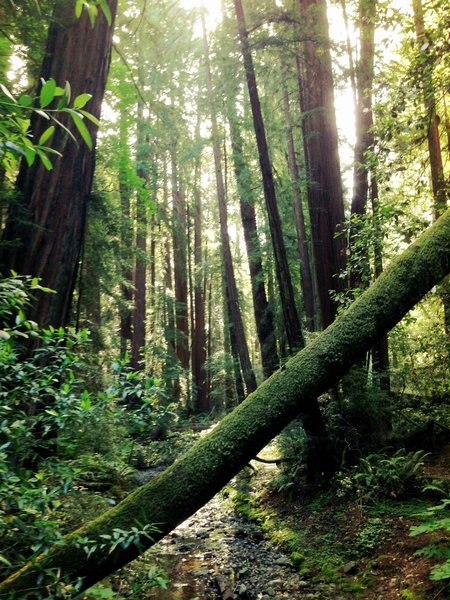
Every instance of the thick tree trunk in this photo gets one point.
(236, 322)
(438, 183)
(261, 307)
(200, 473)
(287, 298)
(49, 240)
(320, 140)
(440, 193)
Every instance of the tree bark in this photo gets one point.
(200, 400)
(425, 67)
(236, 323)
(126, 238)
(179, 236)
(325, 199)
(261, 307)
(287, 298)
(202, 471)
(140, 264)
(302, 240)
(48, 242)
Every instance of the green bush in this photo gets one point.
(380, 475)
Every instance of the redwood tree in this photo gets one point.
(44, 233)
(287, 298)
(320, 139)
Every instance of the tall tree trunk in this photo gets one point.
(440, 190)
(49, 244)
(140, 265)
(171, 375)
(302, 240)
(201, 472)
(179, 236)
(126, 239)
(426, 66)
(200, 391)
(236, 323)
(261, 307)
(320, 140)
(287, 297)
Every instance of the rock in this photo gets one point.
(186, 547)
(202, 572)
(350, 568)
(283, 561)
(203, 535)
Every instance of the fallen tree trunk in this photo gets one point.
(195, 477)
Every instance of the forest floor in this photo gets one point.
(249, 542)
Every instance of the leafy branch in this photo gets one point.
(15, 114)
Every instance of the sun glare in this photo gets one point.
(213, 8)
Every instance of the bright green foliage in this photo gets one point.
(380, 475)
(15, 113)
(436, 519)
(45, 416)
(146, 409)
(91, 7)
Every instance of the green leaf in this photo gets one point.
(47, 93)
(79, 8)
(83, 130)
(7, 93)
(92, 12)
(30, 155)
(42, 113)
(81, 100)
(25, 100)
(91, 117)
(46, 135)
(64, 127)
(45, 160)
(5, 561)
(67, 91)
(106, 11)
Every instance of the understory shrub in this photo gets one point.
(436, 521)
(381, 475)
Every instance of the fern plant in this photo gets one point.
(436, 519)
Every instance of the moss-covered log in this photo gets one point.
(194, 478)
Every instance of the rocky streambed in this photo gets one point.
(218, 554)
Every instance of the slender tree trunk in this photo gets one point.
(201, 472)
(200, 391)
(236, 323)
(320, 140)
(287, 297)
(179, 231)
(171, 376)
(49, 244)
(302, 240)
(126, 240)
(140, 265)
(261, 307)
